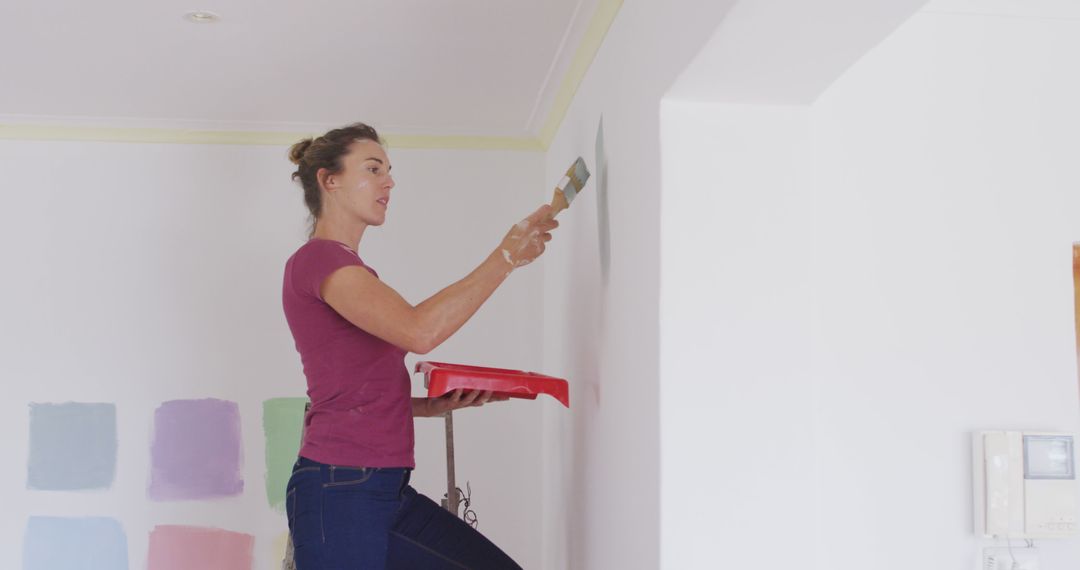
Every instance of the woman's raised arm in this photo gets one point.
(375, 307)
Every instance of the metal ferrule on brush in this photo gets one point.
(569, 186)
(574, 180)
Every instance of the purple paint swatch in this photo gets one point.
(196, 451)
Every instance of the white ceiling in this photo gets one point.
(1046, 9)
(748, 59)
(432, 67)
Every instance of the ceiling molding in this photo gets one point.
(586, 52)
(145, 135)
(250, 138)
(464, 143)
(590, 44)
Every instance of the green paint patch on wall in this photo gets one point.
(282, 422)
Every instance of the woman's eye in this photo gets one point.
(374, 169)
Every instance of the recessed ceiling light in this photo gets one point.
(202, 17)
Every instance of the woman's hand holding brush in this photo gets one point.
(525, 241)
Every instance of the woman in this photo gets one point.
(348, 502)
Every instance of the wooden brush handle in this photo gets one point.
(558, 203)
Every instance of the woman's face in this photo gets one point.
(362, 188)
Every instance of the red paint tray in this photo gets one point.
(441, 378)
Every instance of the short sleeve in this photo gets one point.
(318, 260)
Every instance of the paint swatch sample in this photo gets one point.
(93, 543)
(72, 446)
(282, 422)
(196, 451)
(174, 547)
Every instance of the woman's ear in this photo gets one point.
(325, 179)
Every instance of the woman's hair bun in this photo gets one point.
(296, 152)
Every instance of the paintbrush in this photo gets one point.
(569, 187)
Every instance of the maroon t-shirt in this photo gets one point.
(361, 407)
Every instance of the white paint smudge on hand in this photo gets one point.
(522, 243)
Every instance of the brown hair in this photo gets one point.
(309, 155)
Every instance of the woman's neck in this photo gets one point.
(346, 234)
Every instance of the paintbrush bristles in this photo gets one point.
(575, 179)
(569, 186)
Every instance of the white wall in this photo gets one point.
(602, 470)
(138, 273)
(889, 270)
(947, 209)
(786, 51)
(738, 446)
(604, 332)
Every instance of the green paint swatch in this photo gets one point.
(282, 421)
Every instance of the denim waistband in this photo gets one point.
(302, 462)
(386, 478)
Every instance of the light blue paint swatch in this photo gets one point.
(92, 543)
(72, 446)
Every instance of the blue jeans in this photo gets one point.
(356, 518)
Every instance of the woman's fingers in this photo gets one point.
(546, 225)
(541, 213)
(539, 222)
(539, 216)
(470, 398)
(464, 398)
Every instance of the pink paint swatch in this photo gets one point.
(174, 547)
(196, 451)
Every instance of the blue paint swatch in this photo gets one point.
(72, 446)
(92, 543)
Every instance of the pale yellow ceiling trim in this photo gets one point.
(586, 52)
(271, 138)
(144, 135)
(465, 143)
